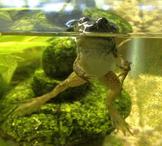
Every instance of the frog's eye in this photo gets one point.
(102, 21)
(83, 19)
(71, 23)
(104, 25)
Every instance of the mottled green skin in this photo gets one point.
(58, 58)
(122, 24)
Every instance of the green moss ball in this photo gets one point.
(58, 58)
(42, 84)
(62, 123)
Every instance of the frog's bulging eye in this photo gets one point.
(102, 21)
(83, 19)
(71, 23)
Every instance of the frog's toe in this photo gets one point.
(26, 108)
(123, 126)
(120, 124)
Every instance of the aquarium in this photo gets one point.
(76, 73)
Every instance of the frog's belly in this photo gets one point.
(97, 63)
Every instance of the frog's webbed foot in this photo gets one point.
(34, 104)
(113, 83)
(119, 122)
(27, 107)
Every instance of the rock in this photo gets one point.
(58, 58)
(42, 84)
(62, 123)
(3, 87)
(32, 20)
(5, 21)
(74, 116)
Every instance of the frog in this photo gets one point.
(97, 58)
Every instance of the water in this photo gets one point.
(65, 119)
(90, 34)
(21, 56)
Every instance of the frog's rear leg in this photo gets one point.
(33, 105)
(114, 85)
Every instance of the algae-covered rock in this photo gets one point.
(62, 123)
(122, 24)
(42, 84)
(23, 91)
(32, 20)
(58, 58)
(14, 97)
(3, 86)
(5, 21)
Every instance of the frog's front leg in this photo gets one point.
(125, 67)
(79, 70)
(123, 64)
(114, 85)
(33, 105)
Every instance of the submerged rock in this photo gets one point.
(58, 58)
(42, 84)
(59, 122)
(5, 21)
(32, 20)
(62, 123)
(14, 97)
(3, 86)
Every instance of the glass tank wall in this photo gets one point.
(37, 52)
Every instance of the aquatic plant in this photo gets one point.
(58, 58)
(32, 20)
(3, 86)
(64, 122)
(61, 123)
(8, 65)
(41, 84)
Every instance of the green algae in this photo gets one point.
(58, 58)
(41, 84)
(59, 122)
(64, 123)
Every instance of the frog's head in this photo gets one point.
(87, 25)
